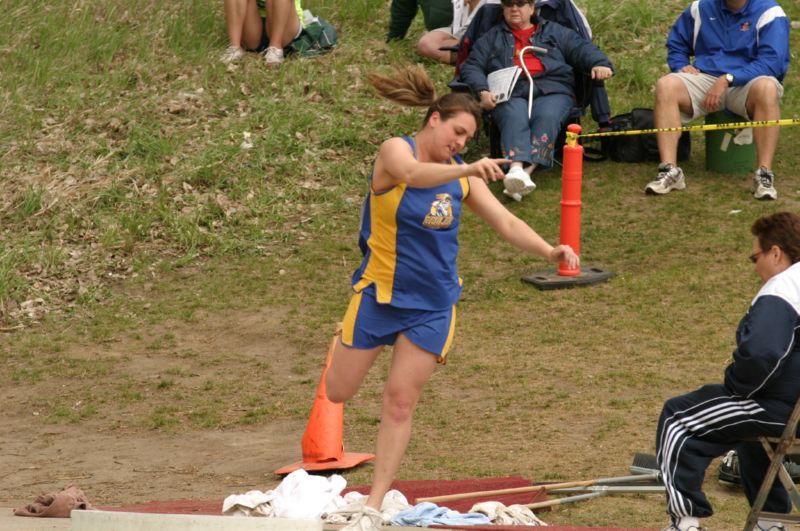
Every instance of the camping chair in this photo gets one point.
(587, 91)
(778, 447)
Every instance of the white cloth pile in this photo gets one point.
(500, 514)
(300, 495)
(394, 502)
(304, 496)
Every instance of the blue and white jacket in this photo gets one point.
(753, 42)
(766, 362)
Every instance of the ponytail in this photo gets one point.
(411, 86)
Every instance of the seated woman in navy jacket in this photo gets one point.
(529, 142)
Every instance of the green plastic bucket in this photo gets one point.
(729, 150)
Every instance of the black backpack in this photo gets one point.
(638, 148)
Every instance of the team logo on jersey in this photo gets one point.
(441, 213)
(745, 26)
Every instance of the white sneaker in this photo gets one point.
(670, 177)
(273, 56)
(232, 54)
(518, 181)
(769, 525)
(685, 523)
(367, 520)
(764, 184)
(513, 195)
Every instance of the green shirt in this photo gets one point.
(436, 14)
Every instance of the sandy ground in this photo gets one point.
(116, 469)
(116, 465)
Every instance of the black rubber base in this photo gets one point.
(550, 279)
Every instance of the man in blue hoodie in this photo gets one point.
(760, 388)
(741, 55)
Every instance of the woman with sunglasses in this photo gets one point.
(407, 286)
(530, 141)
(761, 387)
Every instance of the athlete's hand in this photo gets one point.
(564, 253)
(690, 69)
(487, 169)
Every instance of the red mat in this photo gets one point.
(412, 489)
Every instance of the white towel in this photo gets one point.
(500, 514)
(299, 495)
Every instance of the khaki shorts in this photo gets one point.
(734, 99)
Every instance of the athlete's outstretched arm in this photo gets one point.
(512, 229)
(396, 164)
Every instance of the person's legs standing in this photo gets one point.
(410, 369)
(419, 338)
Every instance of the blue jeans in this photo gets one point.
(532, 141)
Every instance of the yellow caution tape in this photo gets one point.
(705, 127)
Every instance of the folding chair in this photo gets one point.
(778, 447)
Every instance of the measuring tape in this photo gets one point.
(572, 138)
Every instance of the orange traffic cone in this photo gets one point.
(322, 442)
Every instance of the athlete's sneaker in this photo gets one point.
(515, 196)
(670, 177)
(367, 520)
(517, 181)
(273, 56)
(232, 54)
(686, 523)
(764, 184)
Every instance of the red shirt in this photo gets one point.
(522, 38)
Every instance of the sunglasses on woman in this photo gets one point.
(517, 3)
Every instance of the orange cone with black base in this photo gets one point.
(322, 442)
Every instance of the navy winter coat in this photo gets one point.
(566, 51)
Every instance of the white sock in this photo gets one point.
(688, 521)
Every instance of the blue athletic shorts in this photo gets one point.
(368, 324)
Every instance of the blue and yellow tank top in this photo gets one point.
(409, 239)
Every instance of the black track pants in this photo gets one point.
(697, 427)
